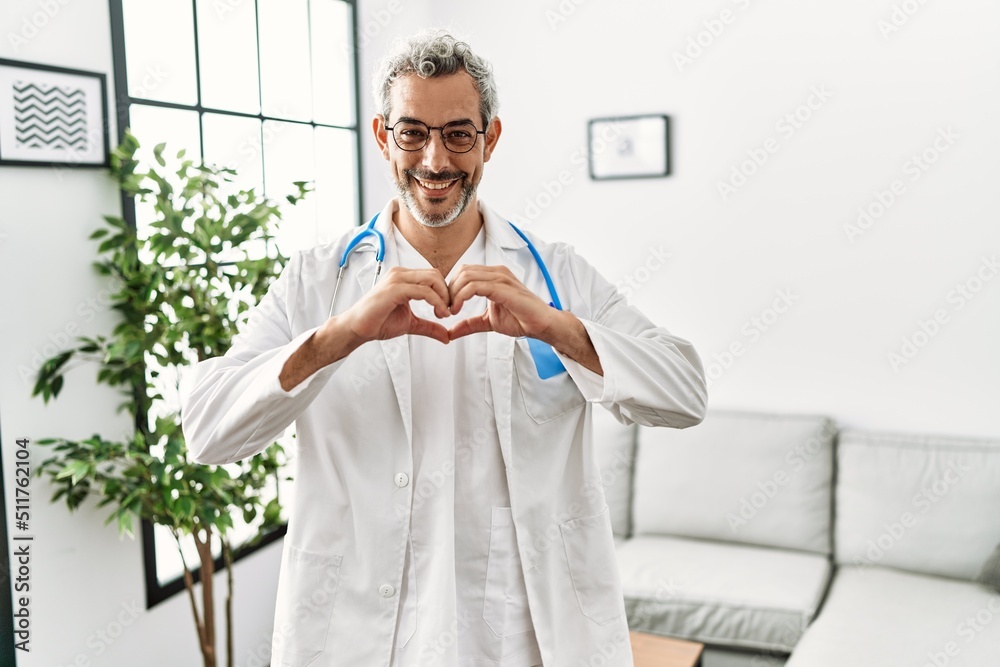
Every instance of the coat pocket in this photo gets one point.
(307, 589)
(505, 603)
(547, 399)
(593, 567)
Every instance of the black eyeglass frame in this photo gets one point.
(444, 140)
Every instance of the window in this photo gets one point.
(266, 87)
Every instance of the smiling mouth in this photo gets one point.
(436, 185)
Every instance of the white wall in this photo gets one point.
(783, 230)
(560, 63)
(85, 581)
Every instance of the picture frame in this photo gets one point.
(629, 147)
(52, 116)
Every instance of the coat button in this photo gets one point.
(402, 479)
(386, 591)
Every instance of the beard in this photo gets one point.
(405, 186)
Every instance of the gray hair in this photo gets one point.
(430, 54)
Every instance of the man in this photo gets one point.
(447, 509)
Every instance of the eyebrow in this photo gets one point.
(409, 119)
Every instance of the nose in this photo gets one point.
(435, 156)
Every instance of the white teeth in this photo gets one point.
(435, 186)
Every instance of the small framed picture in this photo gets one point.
(52, 116)
(629, 147)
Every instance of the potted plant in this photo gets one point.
(184, 286)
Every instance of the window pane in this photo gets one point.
(154, 125)
(332, 62)
(159, 47)
(227, 52)
(336, 183)
(284, 59)
(234, 142)
(288, 157)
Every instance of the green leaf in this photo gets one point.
(272, 512)
(158, 154)
(185, 506)
(75, 470)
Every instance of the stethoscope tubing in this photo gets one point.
(373, 237)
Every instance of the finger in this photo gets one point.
(479, 324)
(481, 278)
(496, 291)
(430, 277)
(468, 273)
(406, 292)
(422, 327)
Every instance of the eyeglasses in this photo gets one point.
(412, 135)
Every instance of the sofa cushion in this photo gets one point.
(753, 478)
(615, 446)
(924, 504)
(876, 616)
(721, 594)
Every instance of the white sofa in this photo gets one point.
(776, 539)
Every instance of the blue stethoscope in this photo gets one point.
(547, 362)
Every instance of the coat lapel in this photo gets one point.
(397, 350)
(501, 245)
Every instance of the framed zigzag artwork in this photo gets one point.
(52, 116)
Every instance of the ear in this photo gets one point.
(492, 136)
(381, 134)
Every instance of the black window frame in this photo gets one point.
(155, 591)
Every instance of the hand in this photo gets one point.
(385, 312)
(512, 309)
(381, 314)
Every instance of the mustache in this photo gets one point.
(434, 176)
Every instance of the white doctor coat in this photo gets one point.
(343, 559)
